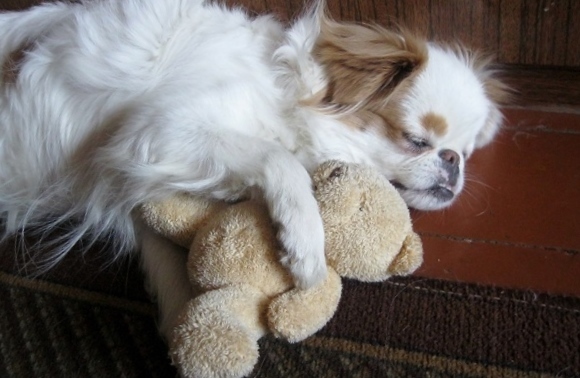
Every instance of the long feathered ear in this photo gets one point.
(492, 125)
(498, 92)
(364, 63)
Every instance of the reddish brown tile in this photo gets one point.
(541, 120)
(502, 265)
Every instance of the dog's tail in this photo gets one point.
(20, 28)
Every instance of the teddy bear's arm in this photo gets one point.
(409, 258)
(180, 216)
(297, 314)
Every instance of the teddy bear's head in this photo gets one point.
(368, 229)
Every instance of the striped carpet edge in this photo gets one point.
(52, 330)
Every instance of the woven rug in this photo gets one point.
(408, 327)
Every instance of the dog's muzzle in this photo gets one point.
(443, 190)
(450, 164)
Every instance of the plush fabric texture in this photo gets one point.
(182, 214)
(246, 291)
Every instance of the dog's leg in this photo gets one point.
(218, 162)
(287, 189)
(164, 266)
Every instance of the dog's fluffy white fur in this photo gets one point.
(117, 102)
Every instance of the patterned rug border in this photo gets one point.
(78, 294)
(147, 308)
(445, 365)
(424, 360)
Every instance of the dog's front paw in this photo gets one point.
(303, 244)
(308, 271)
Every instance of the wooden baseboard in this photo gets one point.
(541, 86)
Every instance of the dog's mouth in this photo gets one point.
(441, 193)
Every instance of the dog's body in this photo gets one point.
(119, 102)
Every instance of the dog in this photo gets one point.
(107, 104)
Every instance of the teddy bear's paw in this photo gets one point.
(213, 347)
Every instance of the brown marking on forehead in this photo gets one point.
(435, 123)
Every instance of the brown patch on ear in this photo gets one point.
(364, 64)
(435, 123)
(361, 120)
(386, 121)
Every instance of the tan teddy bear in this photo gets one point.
(234, 260)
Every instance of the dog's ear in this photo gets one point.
(365, 63)
(491, 127)
(498, 92)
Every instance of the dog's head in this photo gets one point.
(417, 109)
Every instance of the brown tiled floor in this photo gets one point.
(517, 224)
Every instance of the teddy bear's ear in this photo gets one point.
(329, 170)
(410, 256)
(180, 216)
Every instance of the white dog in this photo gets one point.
(109, 103)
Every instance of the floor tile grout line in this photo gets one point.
(542, 128)
(492, 298)
(555, 109)
(499, 242)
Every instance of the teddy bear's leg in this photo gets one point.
(297, 314)
(218, 333)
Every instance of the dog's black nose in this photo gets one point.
(450, 157)
(450, 162)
